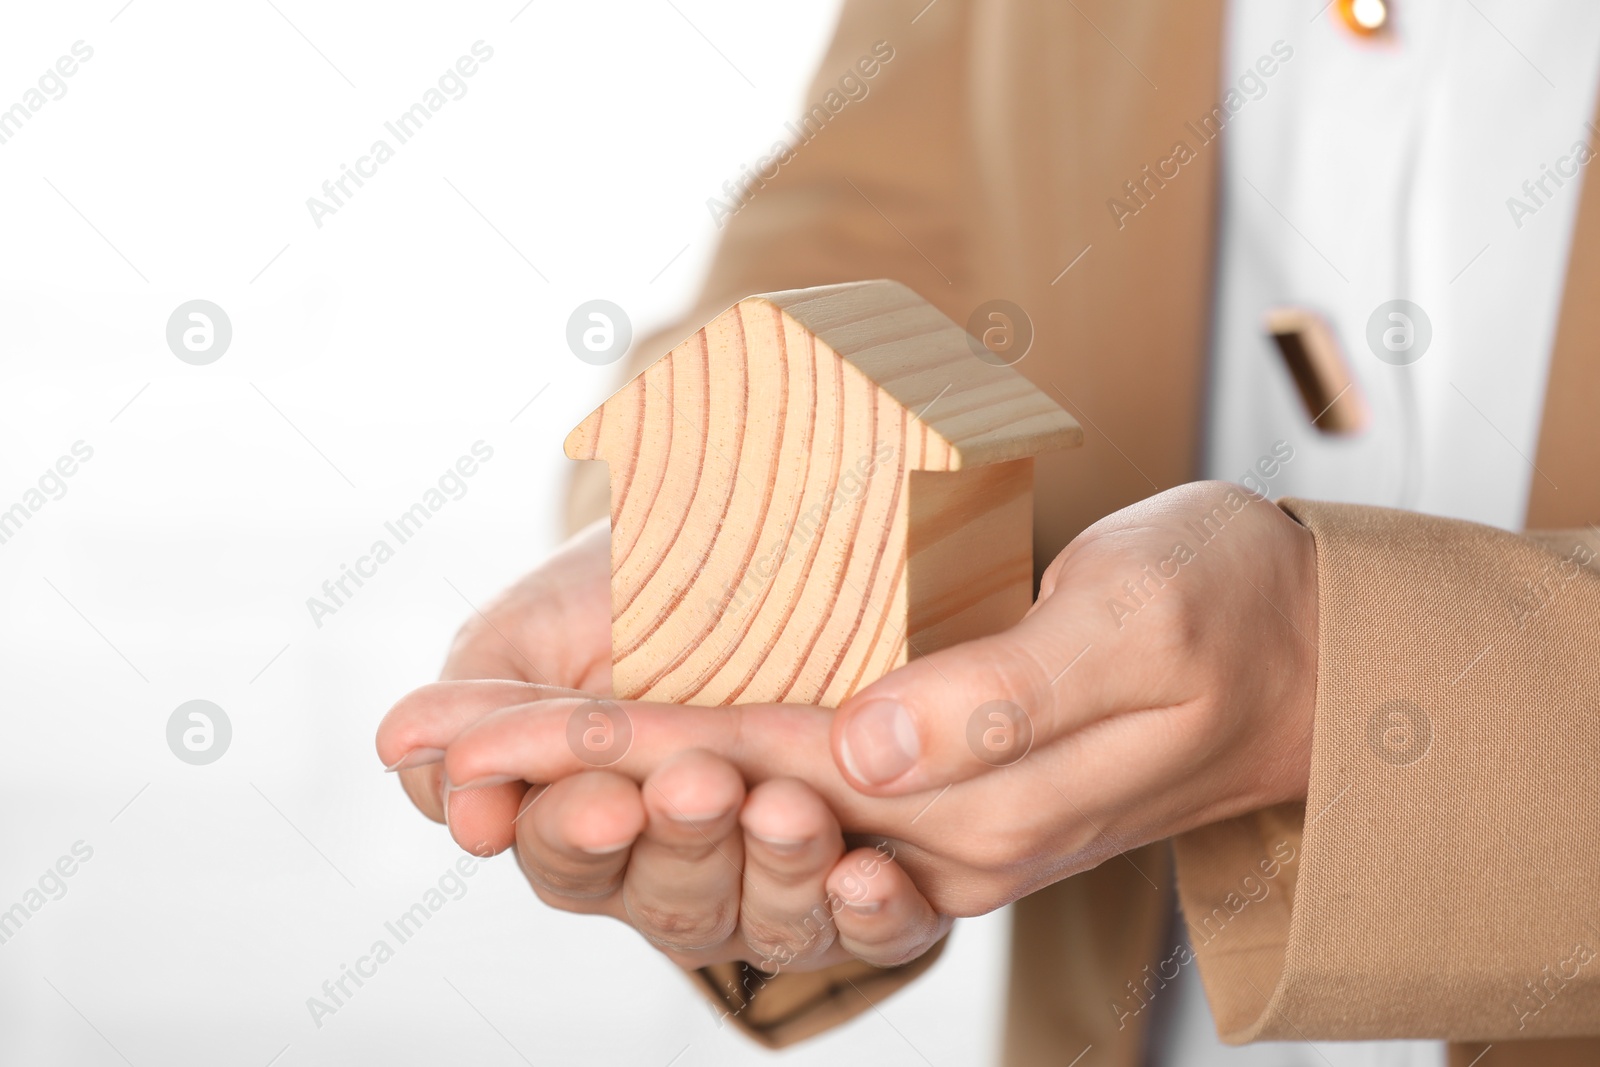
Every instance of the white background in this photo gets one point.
(367, 356)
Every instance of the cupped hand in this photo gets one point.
(705, 868)
(1165, 679)
(552, 628)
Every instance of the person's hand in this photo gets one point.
(1164, 680)
(704, 868)
(552, 628)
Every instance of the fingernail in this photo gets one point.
(864, 907)
(487, 782)
(880, 743)
(780, 844)
(698, 818)
(446, 787)
(417, 757)
(606, 850)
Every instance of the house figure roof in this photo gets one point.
(983, 412)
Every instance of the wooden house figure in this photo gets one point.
(815, 487)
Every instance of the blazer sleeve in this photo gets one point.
(1442, 879)
(869, 188)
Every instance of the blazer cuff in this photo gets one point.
(787, 1007)
(1443, 877)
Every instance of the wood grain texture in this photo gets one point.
(986, 413)
(785, 527)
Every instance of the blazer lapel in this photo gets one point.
(1566, 483)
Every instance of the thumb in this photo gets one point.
(961, 711)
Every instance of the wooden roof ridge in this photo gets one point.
(986, 412)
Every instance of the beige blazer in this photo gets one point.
(1454, 896)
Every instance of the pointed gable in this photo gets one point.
(888, 338)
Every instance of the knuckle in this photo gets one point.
(1028, 678)
(793, 940)
(566, 899)
(559, 889)
(1011, 670)
(678, 928)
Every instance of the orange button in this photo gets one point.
(1366, 17)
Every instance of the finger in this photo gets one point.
(573, 838)
(544, 741)
(682, 887)
(425, 786)
(792, 842)
(966, 710)
(549, 739)
(481, 819)
(880, 915)
(417, 730)
(414, 734)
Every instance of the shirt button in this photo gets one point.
(1365, 17)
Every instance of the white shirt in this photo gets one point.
(1369, 169)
